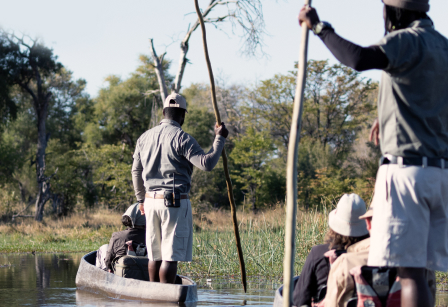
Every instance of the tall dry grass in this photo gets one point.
(78, 232)
(214, 248)
(262, 236)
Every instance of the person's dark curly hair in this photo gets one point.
(340, 242)
(126, 220)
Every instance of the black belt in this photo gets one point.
(420, 161)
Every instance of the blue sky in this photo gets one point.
(97, 38)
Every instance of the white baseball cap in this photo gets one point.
(175, 100)
(345, 218)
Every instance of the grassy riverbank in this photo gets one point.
(214, 246)
(214, 250)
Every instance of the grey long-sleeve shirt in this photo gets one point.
(167, 149)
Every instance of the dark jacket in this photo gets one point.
(314, 275)
(117, 246)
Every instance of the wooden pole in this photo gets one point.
(291, 170)
(224, 155)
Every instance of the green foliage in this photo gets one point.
(91, 175)
(123, 110)
(199, 123)
(252, 153)
(89, 152)
(67, 101)
(272, 105)
(336, 104)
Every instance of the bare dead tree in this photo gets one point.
(246, 15)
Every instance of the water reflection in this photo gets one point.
(38, 280)
(49, 280)
(85, 298)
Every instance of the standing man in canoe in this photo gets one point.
(163, 161)
(410, 220)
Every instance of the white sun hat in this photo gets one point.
(345, 218)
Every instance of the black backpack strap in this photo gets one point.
(353, 301)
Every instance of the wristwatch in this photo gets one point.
(318, 27)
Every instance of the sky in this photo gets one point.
(97, 38)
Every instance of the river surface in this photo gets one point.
(49, 280)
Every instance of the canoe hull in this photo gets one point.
(91, 278)
(278, 299)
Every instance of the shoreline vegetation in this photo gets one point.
(214, 249)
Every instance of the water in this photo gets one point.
(49, 280)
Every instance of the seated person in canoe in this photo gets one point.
(344, 271)
(345, 229)
(119, 242)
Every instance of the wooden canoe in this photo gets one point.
(93, 279)
(278, 299)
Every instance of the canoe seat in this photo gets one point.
(135, 267)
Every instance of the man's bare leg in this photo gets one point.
(168, 272)
(414, 288)
(153, 270)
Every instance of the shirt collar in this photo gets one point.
(422, 23)
(170, 122)
(359, 246)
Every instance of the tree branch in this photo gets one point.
(27, 88)
(24, 210)
(159, 71)
(184, 44)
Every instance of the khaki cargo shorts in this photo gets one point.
(410, 218)
(169, 231)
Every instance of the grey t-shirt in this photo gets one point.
(413, 96)
(167, 149)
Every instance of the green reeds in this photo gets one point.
(214, 252)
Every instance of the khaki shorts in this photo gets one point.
(169, 231)
(410, 215)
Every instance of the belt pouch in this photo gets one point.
(172, 199)
(168, 199)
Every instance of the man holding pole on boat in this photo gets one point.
(409, 226)
(161, 173)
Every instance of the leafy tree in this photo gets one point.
(337, 104)
(34, 68)
(272, 103)
(8, 108)
(336, 100)
(123, 110)
(251, 153)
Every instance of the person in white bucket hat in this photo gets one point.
(345, 218)
(345, 229)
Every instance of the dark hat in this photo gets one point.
(136, 216)
(412, 5)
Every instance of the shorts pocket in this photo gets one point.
(397, 227)
(181, 237)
